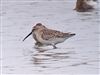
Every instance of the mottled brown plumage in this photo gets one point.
(47, 36)
(44, 36)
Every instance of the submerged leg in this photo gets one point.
(38, 44)
(54, 47)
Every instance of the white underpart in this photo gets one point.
(54, 41)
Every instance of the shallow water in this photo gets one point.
(77, 55)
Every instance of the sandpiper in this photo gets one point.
(85, 5)
(44, 36)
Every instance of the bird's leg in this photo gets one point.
(54, 47)
(38, 44)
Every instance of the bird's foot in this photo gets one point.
(38, 44)
(54, 47)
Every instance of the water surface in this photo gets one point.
(77, 55)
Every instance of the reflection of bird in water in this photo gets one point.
(85, 5)
(44, 36)
(44, 57)
(39, 57)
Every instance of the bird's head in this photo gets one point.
(39, 26)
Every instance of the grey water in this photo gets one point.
(77, 55)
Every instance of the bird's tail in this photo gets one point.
(27, 35)
(69, 34)
(72, 34)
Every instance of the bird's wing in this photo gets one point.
(48, 34)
